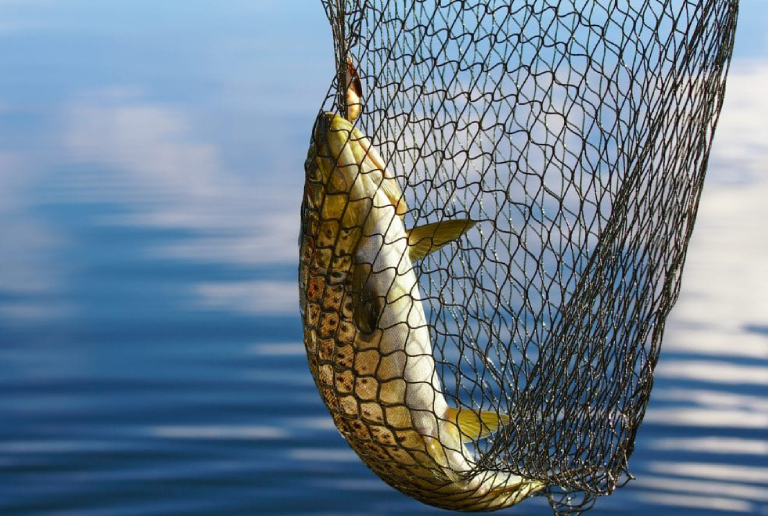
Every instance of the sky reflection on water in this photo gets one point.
(151, 161)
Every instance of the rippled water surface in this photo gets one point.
(150, 345)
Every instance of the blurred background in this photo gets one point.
(151, 167)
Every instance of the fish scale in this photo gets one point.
(380, 386)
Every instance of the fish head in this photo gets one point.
(323, 124)
(331, 128)
(330, 146)
(342, 189)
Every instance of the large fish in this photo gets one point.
(366, 334)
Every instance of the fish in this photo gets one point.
(366, 334)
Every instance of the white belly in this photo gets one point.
(405, 334)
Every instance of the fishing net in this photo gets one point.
(576, 134)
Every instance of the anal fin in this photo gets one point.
(518, 491)
(475, 425)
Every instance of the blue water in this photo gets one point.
(151, 163)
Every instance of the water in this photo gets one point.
(150, 356)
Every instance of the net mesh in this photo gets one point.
(576, 135)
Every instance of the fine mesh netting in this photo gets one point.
(576, 135)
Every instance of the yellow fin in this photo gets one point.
(517, 492)
(426, 239)
(474, 425)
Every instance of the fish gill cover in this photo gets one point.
(575, 136)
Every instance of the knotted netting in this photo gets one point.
(576, 135)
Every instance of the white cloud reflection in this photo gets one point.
(707, 418)
(219, 432)
(330, 455)
(708, 503)
(157, 162)
(712, 371)
(150, 142)
(724, 292)
(713, 471)
(724, 338)
(716, 445)
(29, 280)
(261, 297)
(725, 283)
(708, 408)
(712, 398)
(279, 349)
(172, 179)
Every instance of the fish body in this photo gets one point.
(366, 334)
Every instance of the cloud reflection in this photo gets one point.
(734, 490)
(712, 371)
(30, 279)
(713, 398)
(322, 455)
(219, 432)
(256, 297)
(706, 418)
(279, 349)
(698, 501)
(716, 445)
(713, 471)
(172, 179)
(726, 271)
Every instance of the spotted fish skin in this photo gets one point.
(365, 332)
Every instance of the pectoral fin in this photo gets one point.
(474, 425)
(426, 239)
(516, 492)
(366, 304)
